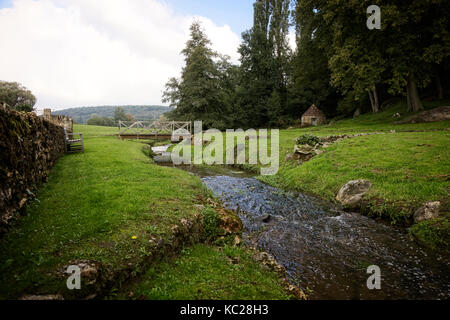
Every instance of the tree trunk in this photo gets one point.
(371, 98)
(413, 98)
(373, 95)
(439, 88)
(376, 106)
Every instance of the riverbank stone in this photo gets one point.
(429, 210)
(352, 192)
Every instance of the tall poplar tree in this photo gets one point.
(311, 76)
(265, 55)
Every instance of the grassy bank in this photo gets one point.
(406, 168)
(205, 272)
(110, 205)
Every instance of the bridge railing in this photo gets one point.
(153, 127)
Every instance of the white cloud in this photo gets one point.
(84, 52)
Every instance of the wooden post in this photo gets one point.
(82, 142)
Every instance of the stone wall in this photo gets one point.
(63, 121)
(29, 147)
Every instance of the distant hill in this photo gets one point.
(83, 114)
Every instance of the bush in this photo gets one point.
(211, 228)
(308, 139)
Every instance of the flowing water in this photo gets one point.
(326, 251)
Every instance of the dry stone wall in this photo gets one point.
(29, 147)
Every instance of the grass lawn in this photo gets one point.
(95, 131)
(204, 272)
(102, 205)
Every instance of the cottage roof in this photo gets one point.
(313, 111)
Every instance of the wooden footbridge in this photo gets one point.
(154, 130)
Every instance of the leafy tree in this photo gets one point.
(16, 96)
(120, 115)
(339, 64)
(352, 50)
(412, 44)
(416, 41)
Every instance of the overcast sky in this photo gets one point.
(73, 53)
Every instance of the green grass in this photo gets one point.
(91, 207)
(95, 131)
(406, 169)
(96, 202)
(382, 121)
(205, 272)
(104, 205)
(433, 233)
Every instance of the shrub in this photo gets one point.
(211, 228)
(308, 139)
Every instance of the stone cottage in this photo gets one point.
(313, 117)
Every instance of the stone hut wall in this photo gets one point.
(308, 120)
(29, 147)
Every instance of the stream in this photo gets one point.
(325, 251)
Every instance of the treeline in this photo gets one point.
(106, 114)
(119, 115)
(339, 63)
